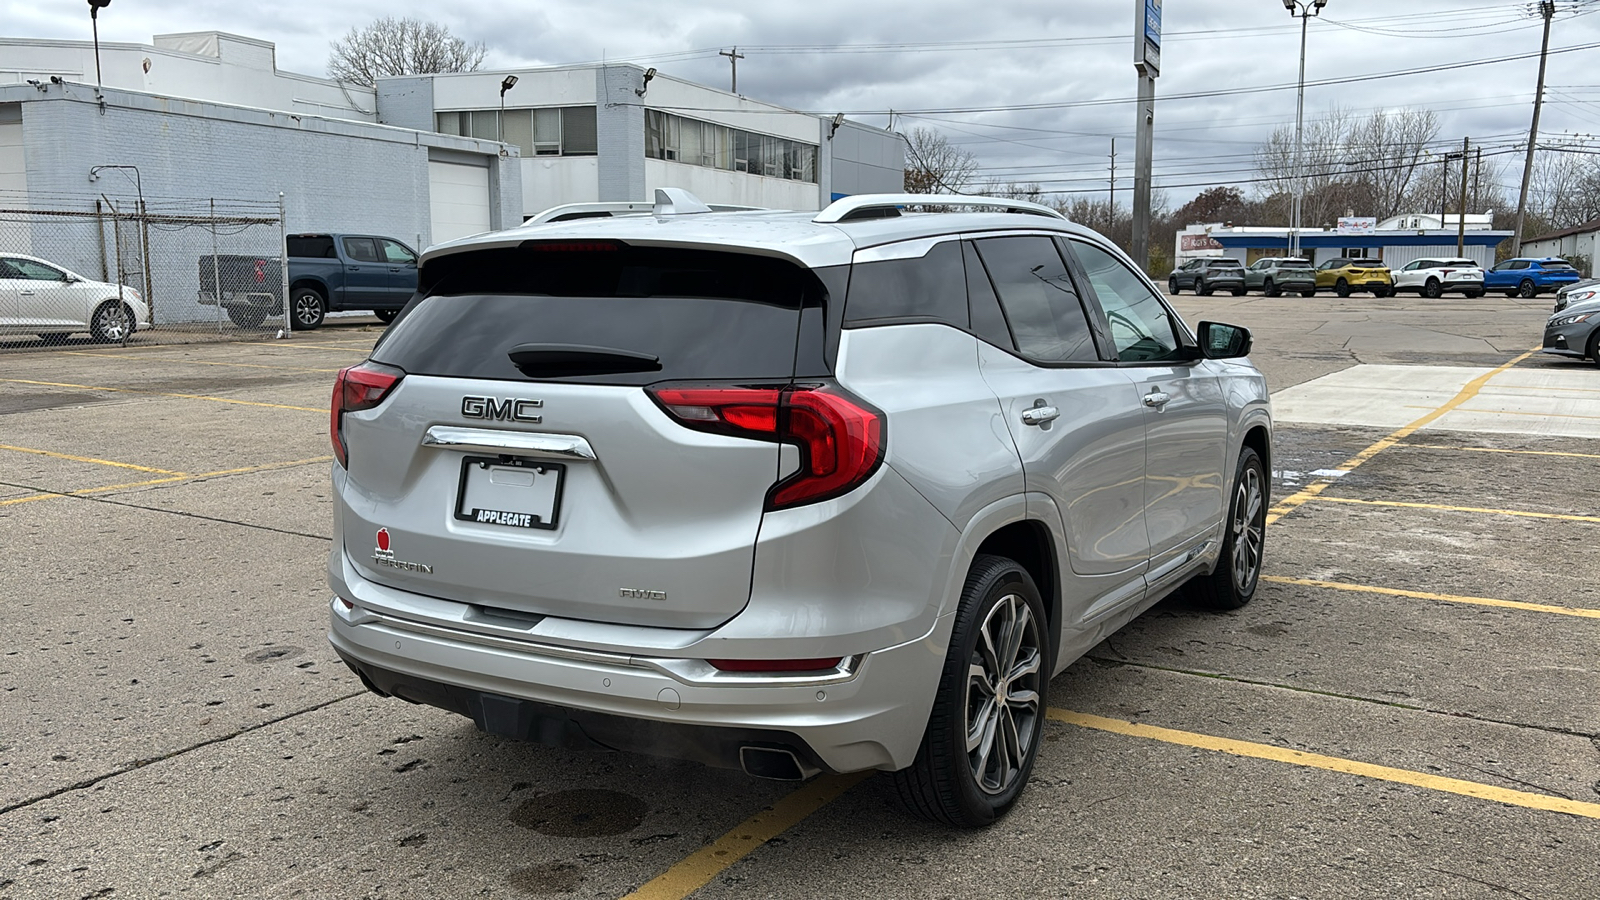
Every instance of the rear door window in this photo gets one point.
(699, 314)
(1042, 305)
(361, 249)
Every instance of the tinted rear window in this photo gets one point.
(1295, 264)
(1226, 264)
(1366, 262)
(1561, 266)
(311, 246)
(930, 287)
(703, 314)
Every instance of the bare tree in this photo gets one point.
(934, 166)
(391, 46)
(1384, 151)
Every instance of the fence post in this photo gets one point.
(144, 241)
(116, 237)
(216, 271)
(100, 220)
(283, 255)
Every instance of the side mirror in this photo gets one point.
(1219, 341)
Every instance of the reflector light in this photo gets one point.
(841, 440)
(356, 388)
(775, 665)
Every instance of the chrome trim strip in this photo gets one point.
(694, 672)
(555, 446)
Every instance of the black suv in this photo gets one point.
(1212, 273)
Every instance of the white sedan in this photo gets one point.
(1433, 277)
(38, 297)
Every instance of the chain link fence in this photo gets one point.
(131, 271)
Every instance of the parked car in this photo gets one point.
(1577, 292)
(42, 298)
(1575, 331)
(1212, 273)
(1344, 275)
(327, 272)
(1436, 277)
(676, 484)
(1528, 277)
(1275, 275)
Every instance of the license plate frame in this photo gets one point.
(510, 518)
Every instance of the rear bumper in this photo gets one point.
(869, 715)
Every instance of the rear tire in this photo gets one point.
(1342, 288)
(1433, 290)
(1268, 289)
(1472, 295)
(988, 717)
(1526, 289)
(247, 318)
(1200, 287)
(309, 308)
(1594, 347)
(386, 315)
(1238, 292)
(1233, 583)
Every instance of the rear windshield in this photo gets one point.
(1557, 265)
(700, 314)
(1366, 262)
(1295, 264)
(1226, 264)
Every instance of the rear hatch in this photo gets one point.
(521, 463)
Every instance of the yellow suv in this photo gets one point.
(1344, 275)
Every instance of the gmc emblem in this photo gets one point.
(501, 410)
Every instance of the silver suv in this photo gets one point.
(783, 491)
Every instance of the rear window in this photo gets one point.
(311, 246)
(701, 314)
(926, 288)
(1366, 262)
(1558, 266)
(1226, 264)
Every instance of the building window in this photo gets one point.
(548, 131)
(697, 143)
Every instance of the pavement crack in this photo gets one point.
(172, 754)
(174, 512)
(1219, 676)
(1499, 887)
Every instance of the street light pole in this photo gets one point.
(94, 20)
(506, 84)
(1307, 9)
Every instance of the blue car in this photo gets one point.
(1527, 277)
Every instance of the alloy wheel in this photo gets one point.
(308, 309)
(111, 323)
(1002, 704)
(1249, 527)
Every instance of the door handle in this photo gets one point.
(27, 293)
(1157, 399)
(1039, 415)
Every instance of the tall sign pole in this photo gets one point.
(1147, 62)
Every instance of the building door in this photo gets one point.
(458, 196)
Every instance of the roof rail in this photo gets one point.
(873, 206)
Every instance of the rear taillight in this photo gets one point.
(841, 439)
(356, 388)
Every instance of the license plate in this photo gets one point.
(509, 491)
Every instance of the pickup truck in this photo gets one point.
(1528, 277)
(327, 272)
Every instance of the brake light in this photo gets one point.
(775, 665)
(356, 388)
(841, 440)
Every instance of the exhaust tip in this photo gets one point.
(774, 763)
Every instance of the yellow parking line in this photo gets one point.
(90, 387)
(244, 470)
(1509, 412)
(1470, 390)
(1503, 450)
(697, 870)
(197, 362)
(89, 459)
(1472, 509)
(1253, 750)
(1579, 612)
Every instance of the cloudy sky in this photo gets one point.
(963, 67)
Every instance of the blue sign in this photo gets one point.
(1152, 22)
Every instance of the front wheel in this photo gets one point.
(988, 717)
(247, 317)
(1526, 289)
(386, 315)
(1472, 295)
(1233, 583)
(1172, 287)
(309, 308)
(1383, 292)
(1342, 288)
(112, 322)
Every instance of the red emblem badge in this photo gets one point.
(383, 539)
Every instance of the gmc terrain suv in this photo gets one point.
(786, 491)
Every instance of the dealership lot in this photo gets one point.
(1410, 707)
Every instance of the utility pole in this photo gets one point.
(1147, 62)
(1461, 210)
(733, 57)
(1444, 186)
(1111, 194)
(1477, 178)
(1547, 9)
